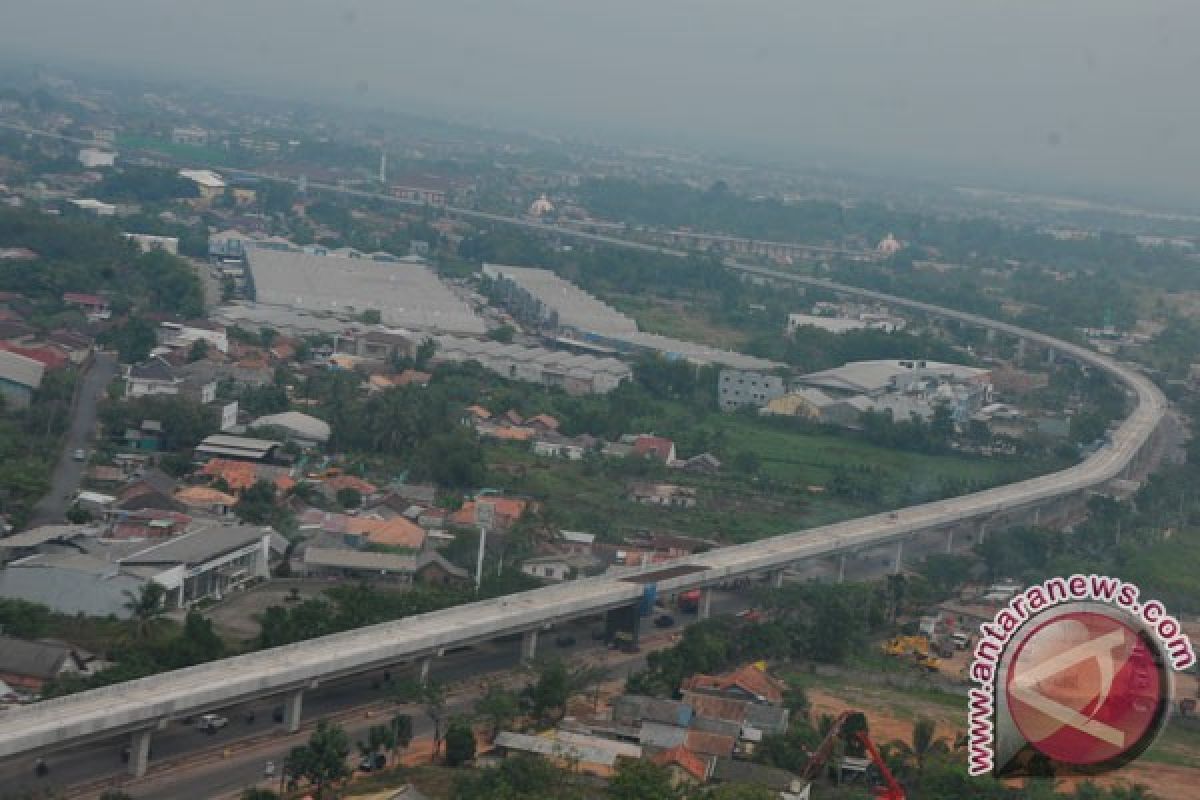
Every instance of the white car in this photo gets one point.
(80, 454)
(211, 722)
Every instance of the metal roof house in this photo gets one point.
(20, 377)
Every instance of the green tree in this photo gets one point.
(321, 762)
(380, 739)
(199, 350)
(460, 743)
(552, 689)
(257, 504)
(348, 497)
(498, 707)
(641, 780)
(432, 695)
(425, 351)
(145, 607)
(133, 339)
(402, 732)
(503, 334)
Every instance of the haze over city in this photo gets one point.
(1084, 95)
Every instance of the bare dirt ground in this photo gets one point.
(236, 617)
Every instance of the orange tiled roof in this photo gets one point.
(479, 411)
(508, 510)
(545, 420)
(691, 763)
(748, 678)
(714, 706)
(204, 496)
(340, 482)
(285, 483)
(396, 532)
(509, 434)
(238, 475)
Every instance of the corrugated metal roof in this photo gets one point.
(21, 370)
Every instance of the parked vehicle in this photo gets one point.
(664, 621)
(372, 762)
(80, 454)
(689, 602)
(211, 723)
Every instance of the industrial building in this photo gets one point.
(542, 299)
(576, 374)
(405, 295)
(740, 388)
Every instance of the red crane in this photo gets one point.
(851, 726)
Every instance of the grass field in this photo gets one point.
(679, 320)
(789, 492)
(183, 152)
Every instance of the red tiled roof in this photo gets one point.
(84, 299)
(47, 356)
(728, 709)
(339, 482)
(690, 762)
(479, 412)
(748, 678)
(709, 744)
(544, 421)
(411, 376)
(238, 475)
(508, 510)
(395, 532)
(655, 446)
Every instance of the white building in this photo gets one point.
(148, 242)
(93, 158)
(575, 374)
(97, 207)
(185, 334)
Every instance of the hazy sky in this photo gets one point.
(1100, 93)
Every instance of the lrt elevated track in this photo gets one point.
(142, 706)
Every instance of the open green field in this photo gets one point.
(678, 320)
(792, 490)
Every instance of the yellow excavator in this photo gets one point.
(915, 647)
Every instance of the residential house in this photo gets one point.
(147, 436)
(655, 447)
(703, 464)
(149, 243)
(558, 568)
(632, 709)
(154, 489)
(738, 771)
(427, 567)
(331, 486)
(206, 499)
(377, 344)
(599, 760)
(686, 767)
(20, 377)
(149, 523)
(151, 377)
(668, 495)
(77, 346)
(93, 305)
(747, 682)
(208, 183)
(495, 513)
(185, 334)
(28, 666)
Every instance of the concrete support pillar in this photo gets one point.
(950, 541)
(777, 579)
(899, 558)
(704, 608)
(991, 335)
(529, 645)
(139, 753)
(981, 534)
(841, 568)
(293, 705)
(1037, 515)
(1020, 350)
(423, 674)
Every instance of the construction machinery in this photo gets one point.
(916, 647)
(850, 728)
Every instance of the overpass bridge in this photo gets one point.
(141, 706)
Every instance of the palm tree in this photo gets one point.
(145, 607)
(913, 757)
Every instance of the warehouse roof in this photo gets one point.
(575, 307)
(302, 425)
(406, 295)
(875, 376)
(200, 545)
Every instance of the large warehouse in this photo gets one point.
(405, 295)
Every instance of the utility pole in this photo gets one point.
(479, 559)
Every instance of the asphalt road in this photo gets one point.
(68, 473)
